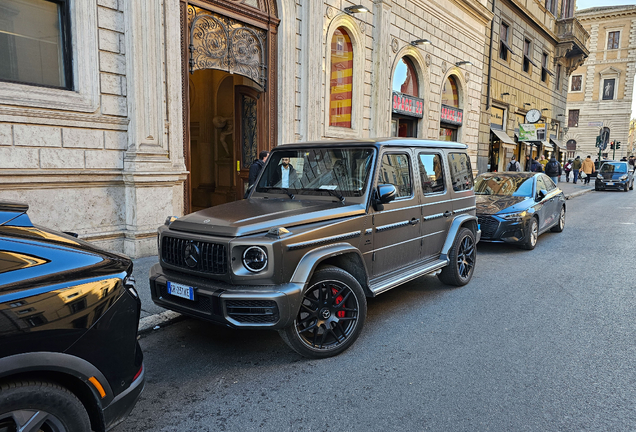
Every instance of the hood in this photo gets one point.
(611, 176)
(256, 215)
(491, 204)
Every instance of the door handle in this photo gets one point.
(447, 213)
(414, 221)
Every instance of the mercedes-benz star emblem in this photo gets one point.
(191, 254)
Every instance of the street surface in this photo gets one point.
(541, 340)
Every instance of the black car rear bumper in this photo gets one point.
(268, 306)
(117, 411)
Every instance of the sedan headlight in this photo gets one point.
(514, 217)
(623, 177)
(598, 176)
(255, 259)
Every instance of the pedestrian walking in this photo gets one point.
(632, 163)
(528, 163)
(588, 168)
(553, 169)
(543, 161)
(567, 168)
(576, 168)
(257, 166)
(513, 165)
(536, 166)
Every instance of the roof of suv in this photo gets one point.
(379, 142)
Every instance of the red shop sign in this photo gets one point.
(408, 105)
(452, 115)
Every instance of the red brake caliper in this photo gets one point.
(340, 313)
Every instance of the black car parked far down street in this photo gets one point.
(614, 175)
(517, 207)
(69, 312)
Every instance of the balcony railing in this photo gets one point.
(571, 30)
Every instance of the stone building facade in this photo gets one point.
(533, 47)
(600, 91)
(163, 105)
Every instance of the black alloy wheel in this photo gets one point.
(462, 257)
(41, 407)
(331, 315)
(532, 234)
(559, 227)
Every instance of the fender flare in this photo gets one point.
(308, 263)
(456, 225)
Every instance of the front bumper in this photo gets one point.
(496, 229)
(255, 307)
(603, 184)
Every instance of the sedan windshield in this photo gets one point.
(503, 186)
(340, 172)
(614, 167)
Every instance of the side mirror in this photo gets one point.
(383, 194)
(541, 194)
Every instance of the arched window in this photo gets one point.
(405, 78)
(341, 79)
(450, 95)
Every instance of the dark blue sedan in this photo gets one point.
(517, 207)
(614, 175)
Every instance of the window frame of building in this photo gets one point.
(604, 79)
(504, 118)
(353, 31)
(558, 77)
(551, 6)
(573, 118)
(527, 62)
(64, 27)
(571, 86)
(504, 45)
(85, 66)
(567, 9)
(545, 72)
(613, 37)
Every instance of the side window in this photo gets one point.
(548, 183)
(541, 184)
(461, 172)
(431, 173)
(396, 170)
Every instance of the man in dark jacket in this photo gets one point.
(576, 167)
(553, 169)
(536, 166)
(284, 175)
(257, 166)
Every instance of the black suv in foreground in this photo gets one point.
(69, 312)
(326, 225)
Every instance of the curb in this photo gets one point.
(156, 321)
(579, 193)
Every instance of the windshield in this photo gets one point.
(610, 167)
(324, 171)
(503, 186)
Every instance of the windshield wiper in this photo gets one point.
(291, 195)
(333, 193)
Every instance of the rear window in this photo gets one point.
(461, 171)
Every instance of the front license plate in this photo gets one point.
(182, 291)
(610, 183)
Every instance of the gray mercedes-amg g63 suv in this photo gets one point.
(326, 225)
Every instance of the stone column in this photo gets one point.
(312, 73)
(381, 92)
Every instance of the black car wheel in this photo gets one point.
(331, 315)
(532, 234)
(41, 407)
(559, 227)
(626, 187)
(632, 186)
(462, 257)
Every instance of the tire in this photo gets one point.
(626, 188)
(49, 405)
(532, 234)
(559, 227)
(596, 188)
(462, 257)
(331, 315)
(632, 186)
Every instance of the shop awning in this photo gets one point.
(557, 143)
(547, 145)
(503, 137)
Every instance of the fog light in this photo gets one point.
(255, 259)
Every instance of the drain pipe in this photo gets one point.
(492, 25)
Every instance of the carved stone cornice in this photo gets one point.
(476, 9)
(270, 15)
(607, 12)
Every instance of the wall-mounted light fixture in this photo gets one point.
(545, 109)
(463, 62)
(421, 42)
(527, 104)
(356, 9)
(560, 115)
(505, 94)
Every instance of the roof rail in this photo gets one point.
(13, 206)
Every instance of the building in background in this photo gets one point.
(115, 114)
(532, 49)
(600, 91)
(630, 138)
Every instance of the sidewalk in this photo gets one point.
(154, 316)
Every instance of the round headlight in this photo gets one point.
(255, 259)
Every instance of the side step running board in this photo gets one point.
(386, 282)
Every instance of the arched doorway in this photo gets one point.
(229, 86)
(408, 108)
(452, 115)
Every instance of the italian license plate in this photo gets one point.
(610, 183)
(182, 291)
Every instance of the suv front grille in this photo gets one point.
(212, 256)
(488, 226)
(252, 311)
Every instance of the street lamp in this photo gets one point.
(355, 9)
(421, 42)
(463, 62)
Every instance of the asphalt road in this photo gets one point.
(540, 340)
